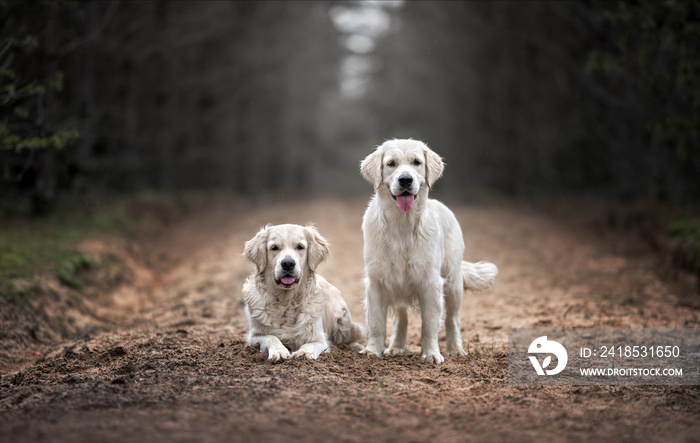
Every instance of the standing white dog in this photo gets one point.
(413, 252)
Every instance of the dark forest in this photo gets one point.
(520, 98)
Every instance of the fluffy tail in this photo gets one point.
(478, 276)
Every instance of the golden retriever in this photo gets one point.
(413, 251)
(288, 305)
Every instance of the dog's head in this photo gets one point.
(284, 253)
(404, 168)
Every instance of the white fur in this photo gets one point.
(300, 317)
(413, 258)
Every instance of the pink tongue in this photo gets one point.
(287, 280)
(405, 202)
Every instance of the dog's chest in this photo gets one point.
(283, 314)
(400, 261)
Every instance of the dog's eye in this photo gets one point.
(391, 164)
(300, 247)
(416, 163)
(274, 248)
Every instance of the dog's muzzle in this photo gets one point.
(287, 279)
(406, 199)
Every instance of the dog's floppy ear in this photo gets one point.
(433, 167)
(256, 249)
(371, 168)
(317, 249)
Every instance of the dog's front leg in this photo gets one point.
(397, 344)
(431, 301)
(316, 343)
(375, 310)
(276, 350)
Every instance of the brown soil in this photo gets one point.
(164, 357)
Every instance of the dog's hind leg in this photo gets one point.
(453, 300)
(397, 345)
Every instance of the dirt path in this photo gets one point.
(180, 370)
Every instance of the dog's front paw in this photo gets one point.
(308, 353)
(371, 351)
(278, 353)
(311, 350)
(432, 357)
(395, 351)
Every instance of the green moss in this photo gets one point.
(685, 227)
(14, 293)
(68, 271)
(688, 230)
(14, 260)
(33, 247)
(30, 247)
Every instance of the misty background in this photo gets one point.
(284, 99)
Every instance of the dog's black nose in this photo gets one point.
(405, 180)
(288, 264)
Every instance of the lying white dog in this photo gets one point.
(288, 305)
(413, 252)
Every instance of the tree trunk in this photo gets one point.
(88, 107)
(45, 183)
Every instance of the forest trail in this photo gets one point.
(181, 371)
